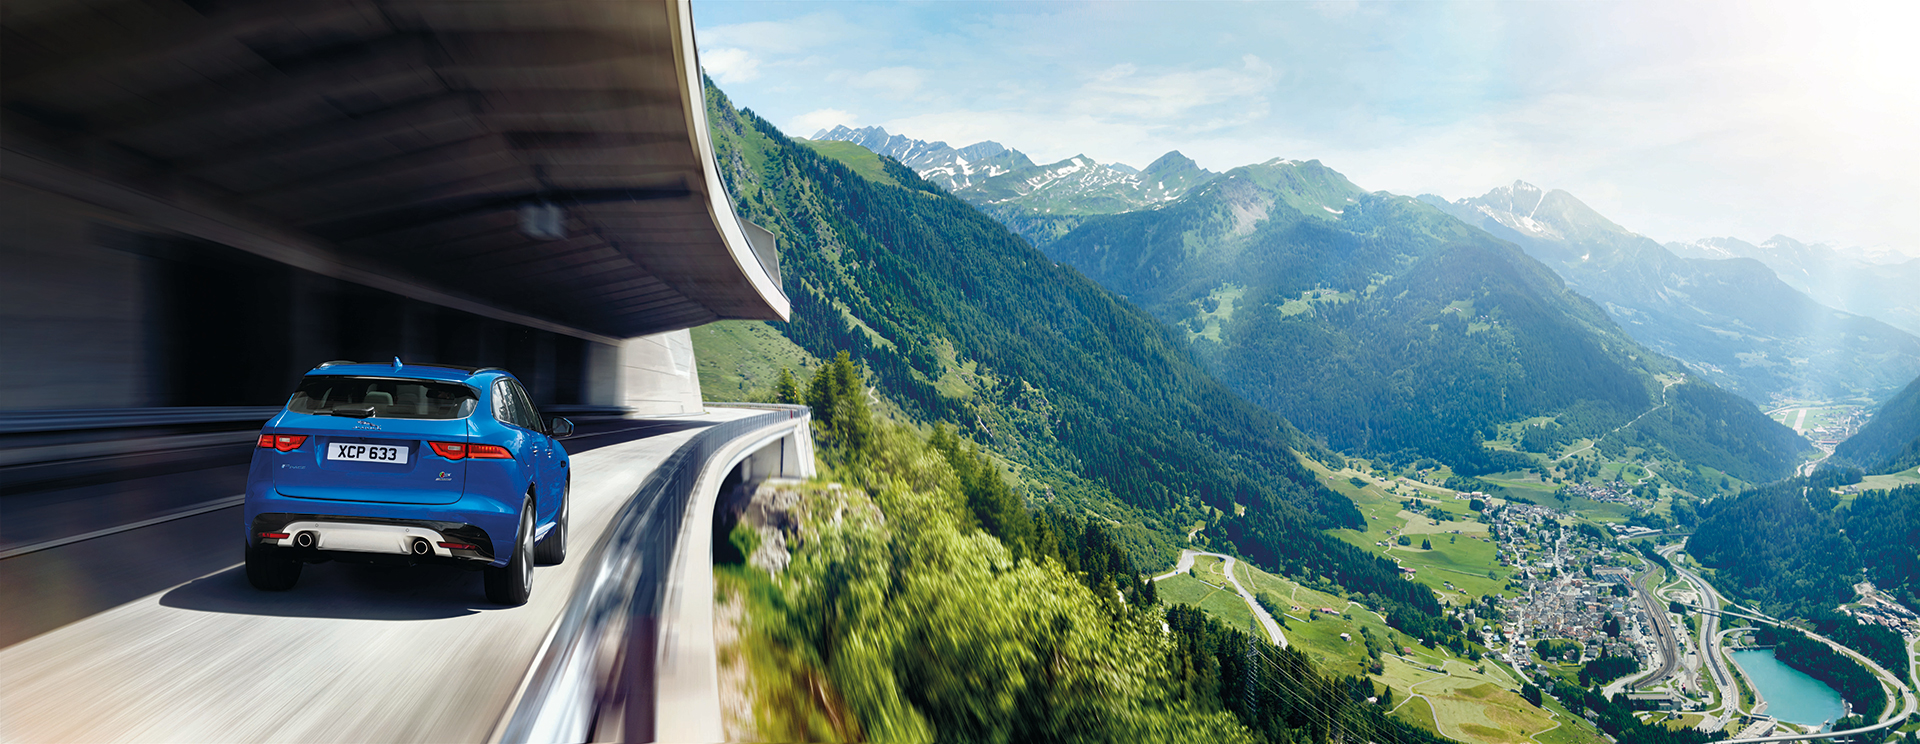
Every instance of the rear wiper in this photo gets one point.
(360, 411)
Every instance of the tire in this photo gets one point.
(553, 550)
(269, 570)
(512, 584)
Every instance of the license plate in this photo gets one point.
(366, 453)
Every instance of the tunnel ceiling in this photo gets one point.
(410, 135)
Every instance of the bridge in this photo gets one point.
(1900, 706)
(201, 199)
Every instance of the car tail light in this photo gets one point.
(274, 535)
(458, 546)
(449, 450)
(282, 442)
(488, 452)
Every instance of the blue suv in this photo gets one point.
(407, 464)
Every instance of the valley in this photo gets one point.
(1446, 524)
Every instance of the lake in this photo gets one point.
(1791, 695)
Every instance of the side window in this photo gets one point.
(528, 413)
(504, 409)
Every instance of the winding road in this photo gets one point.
(1711, 614)
(1260, 613)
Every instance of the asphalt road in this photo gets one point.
(1708, 643)
(1260, 613)
(153, 634)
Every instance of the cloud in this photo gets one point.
(1676, 120)
(731, 65)
(790, 36)
(894, 82)
(805, 125)
(1123, 90)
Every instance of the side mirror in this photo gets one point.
(562, 428)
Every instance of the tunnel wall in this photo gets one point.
(98, 311)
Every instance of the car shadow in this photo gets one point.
(347, 591)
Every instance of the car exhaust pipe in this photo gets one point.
(421, 546)
(304, 540)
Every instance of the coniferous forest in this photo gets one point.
(1286, 275)
(1100, 400)
(922, 604)
(1796, 551)
(1890, 442)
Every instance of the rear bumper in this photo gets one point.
(313, 536)
(350, 530)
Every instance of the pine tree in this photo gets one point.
(786, 390)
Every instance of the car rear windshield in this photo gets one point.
(387, 397)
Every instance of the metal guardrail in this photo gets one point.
(599, 654)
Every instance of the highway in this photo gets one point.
(1708, 644)
(354, 653)
(1728, 708)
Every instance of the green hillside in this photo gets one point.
(1392, 329)
(1796, 548)
(860, 159)
(1890, 441)
(1095, 406)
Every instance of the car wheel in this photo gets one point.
(270, 570)
(553, 550)
(511, 584)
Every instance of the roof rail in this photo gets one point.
(461, 367)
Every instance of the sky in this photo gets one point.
(1678, 120)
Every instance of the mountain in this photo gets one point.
(953, 169)
(1890, 441)
(1097, 407)
(1877, 283)
(1796, 548)
(1384, 325)
(1728, 317)
(1041, 202)
(1079, 185)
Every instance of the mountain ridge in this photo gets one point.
(1287, 275)
(1097, 406)
(1039, 201)
(1875, 284)
(1731, 320)
(1890, 441)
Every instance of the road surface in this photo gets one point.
(1708, 644)
(1908, 703)
(353, 653)
(1260, 613)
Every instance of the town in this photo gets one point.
(1571, 591)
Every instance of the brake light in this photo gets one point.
(459, 450)
(282, 442)
(488, 452)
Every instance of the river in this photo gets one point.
(1791, 695)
